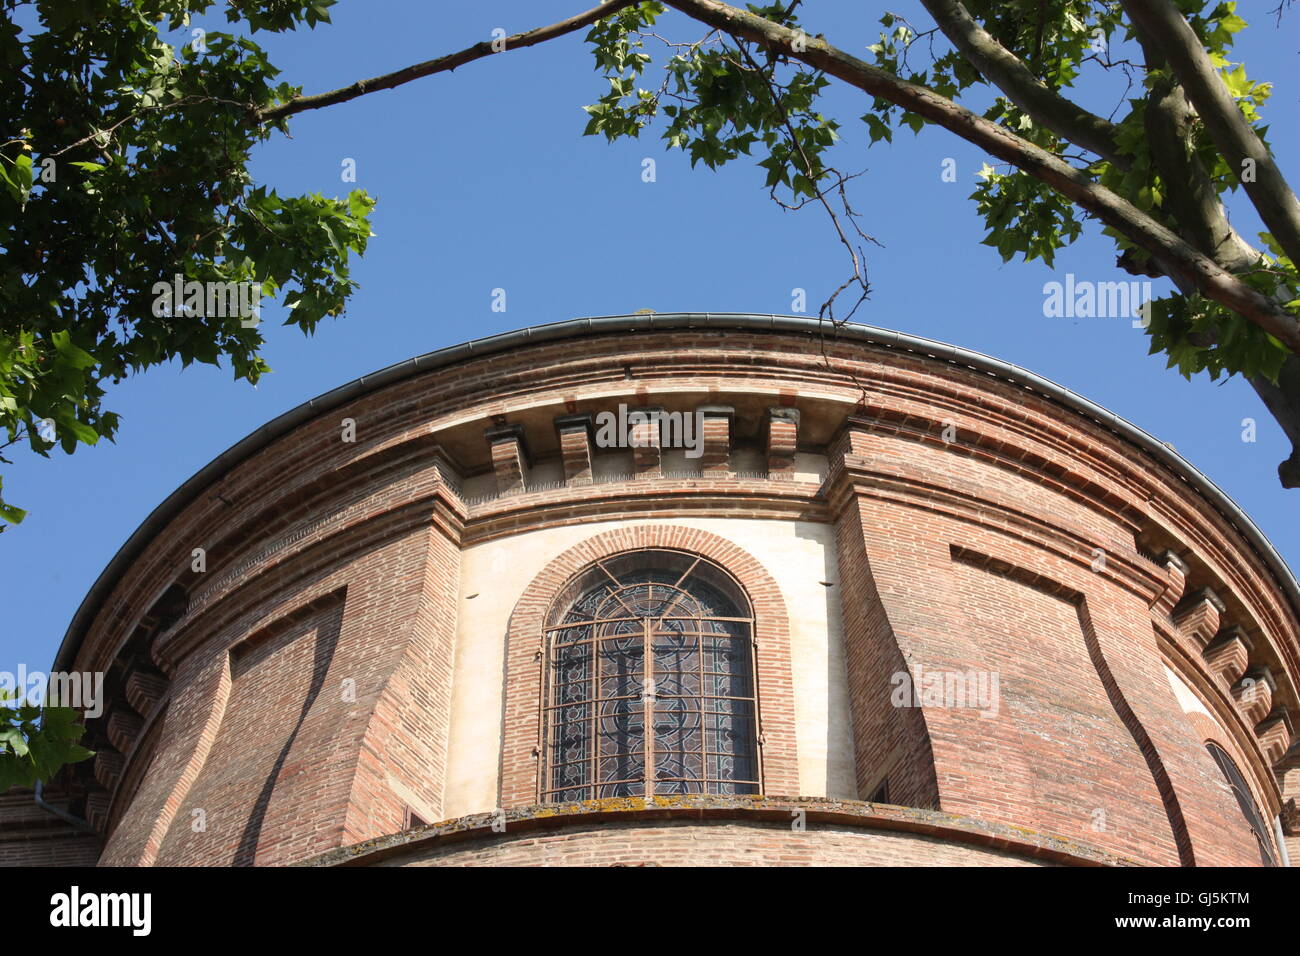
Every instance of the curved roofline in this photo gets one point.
(575, 328)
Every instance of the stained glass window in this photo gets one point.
(1245, 802)
(650, 685)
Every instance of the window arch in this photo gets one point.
(1244, 800)
(656, 639)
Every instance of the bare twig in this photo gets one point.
(814, 176)
(858, 277)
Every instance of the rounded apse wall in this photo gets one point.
(925, 604)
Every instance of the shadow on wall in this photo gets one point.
(326, 641)
(892, 758)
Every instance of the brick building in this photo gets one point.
(654, 589)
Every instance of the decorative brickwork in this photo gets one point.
(715, 421)
(646, 438)
(1198, 616)
(782, 440)
(1227, 656)
(509, 459)
(575, 447)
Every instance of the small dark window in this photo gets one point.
(1245, 801)
(881, 793)
(413, 820)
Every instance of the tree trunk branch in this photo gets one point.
(1196, 209)
(1283, 402)
(1046, 106)
(1201, 215)
(1228, 128)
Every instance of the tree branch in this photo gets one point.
(1196, 210)
(1201, 217)
(442, 64)
(1228, 128)
(1283, 402)
(1046, 106)
(1173, 253)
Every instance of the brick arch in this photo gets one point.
(521, 730)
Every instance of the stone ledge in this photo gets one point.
(757, 810)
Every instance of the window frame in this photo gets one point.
(1246, 803)
(586, 581)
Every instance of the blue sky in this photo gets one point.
(484, 181)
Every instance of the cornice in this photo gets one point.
(639, 498)
(913, 349)
(483, 828)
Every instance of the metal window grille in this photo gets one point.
(650, 682)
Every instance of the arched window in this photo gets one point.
(653, 639)
(1245, 801)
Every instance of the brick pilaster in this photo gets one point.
(889, 742)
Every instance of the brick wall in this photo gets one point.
(978, 527)
(971, 588)
(32, 836)
(316, 719)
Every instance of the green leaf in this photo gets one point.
(71, 354)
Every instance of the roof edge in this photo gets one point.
(574, 328)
